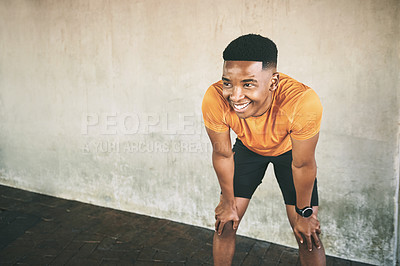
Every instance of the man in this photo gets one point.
(277, 120)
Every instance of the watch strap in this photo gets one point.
(305, 212)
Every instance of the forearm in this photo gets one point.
(303, 178)
(224, 168)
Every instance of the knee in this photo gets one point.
(228, 230)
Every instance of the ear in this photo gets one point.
(274, 81)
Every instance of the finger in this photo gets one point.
(316, 240)
(299, 237)
(235, 224)
(216, 225)
(220, 227)
(318, 224)
(318, 230)
(309, 243)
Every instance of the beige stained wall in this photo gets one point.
(100, 102)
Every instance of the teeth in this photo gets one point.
(241, 106)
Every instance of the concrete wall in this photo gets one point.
(100, 102)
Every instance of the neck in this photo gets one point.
(267, 105)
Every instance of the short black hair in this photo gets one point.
(252, 47)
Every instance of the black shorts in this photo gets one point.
(250, 169)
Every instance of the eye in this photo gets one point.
(248, 85)
(226, 84)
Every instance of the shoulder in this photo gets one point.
(291, 94)
(213, 96)
(302, 107)
(289, 87)
(214, 89)
(215, 108)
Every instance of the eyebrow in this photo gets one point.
(249, 80)
(243, 81)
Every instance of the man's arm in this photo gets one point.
(304, 170)
(222, 158)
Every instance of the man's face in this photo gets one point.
(248, 88)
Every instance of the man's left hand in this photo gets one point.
(307, 229)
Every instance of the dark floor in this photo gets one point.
(39, 230)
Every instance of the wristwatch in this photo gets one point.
(305, 212)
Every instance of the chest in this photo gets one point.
(274, 126)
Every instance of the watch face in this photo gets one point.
(307, 212)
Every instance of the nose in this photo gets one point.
(237, 94)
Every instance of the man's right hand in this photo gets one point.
(226, 211)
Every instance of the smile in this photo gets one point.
(240, 107)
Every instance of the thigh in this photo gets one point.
(249, 170)
(283, 173)
(241, 204)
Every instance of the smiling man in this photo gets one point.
(276, 120)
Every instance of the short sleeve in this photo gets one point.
(214, 109)
(307, 117)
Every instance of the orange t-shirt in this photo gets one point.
(295, 111)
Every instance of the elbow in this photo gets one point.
(222, 154)
(304, 164)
